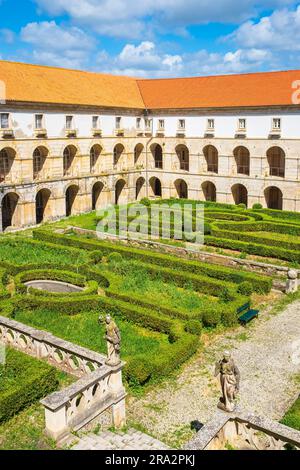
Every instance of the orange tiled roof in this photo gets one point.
(258, 89)
(40, 84)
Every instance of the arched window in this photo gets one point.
(240, 194)
(157, 153)
(6, 160)
(183, 157)
(138, 149)
(181, 188)
(276, 160)
(118, 150)
(39, 157)
(69, 154)
(274, 198)
(94, 157)
(242, 159)
(209, 191)
(212, 158)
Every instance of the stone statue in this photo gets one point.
(230, 382)
(113, 338)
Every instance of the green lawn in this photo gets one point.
(292, 417)
(21, 251)
(83, 329)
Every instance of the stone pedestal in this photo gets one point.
(292, 281)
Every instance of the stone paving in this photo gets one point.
(267, 353)
(131, 440)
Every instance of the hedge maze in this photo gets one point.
(161, 302)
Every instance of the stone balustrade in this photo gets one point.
(62, 354)
(244, 431)
(76, 405)
(99, 388)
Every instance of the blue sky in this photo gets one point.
(166, 38)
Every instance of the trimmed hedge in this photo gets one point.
(54, 275)
(260, 283)
(24, 380)
(254, 249)
(183, 345)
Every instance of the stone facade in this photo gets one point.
(76, 175)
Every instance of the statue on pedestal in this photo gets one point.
(113, 338)
(230, 382)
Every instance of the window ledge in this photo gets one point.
(40, 133)
(7, 133)
(71, 133)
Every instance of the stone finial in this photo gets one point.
(292, 281)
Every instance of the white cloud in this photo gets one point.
(48, 35)
(131, 18)
(279, 31)
(146, 60)
(58, 46)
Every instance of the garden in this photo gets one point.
(161, 302)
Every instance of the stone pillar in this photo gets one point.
(119, 407)
(56, 422)
(292, 281)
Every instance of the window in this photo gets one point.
(138, 123)
(69, 122)
(148, 124)
(4, 164)
(276, 124)
(4, 120)
(38, 121)
(95, 122)
(242, 124)
(210, 124)
(161, 124)
(38, 162)
(118, 122)
(181, 124)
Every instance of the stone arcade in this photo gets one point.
(97, 139)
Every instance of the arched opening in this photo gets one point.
(140, 188)
(274, 198)
(242, 160)
(118, 151)
(120, 185)
(138, 149)
(7, 156)
(94, 157)
(240, 194)
(209, 191)
(69, 155)
(71, 195)
(39, 157)
(9, 209)
(212, 158)
(183, 155)
(157, 153)
(276, 161)
(41, 203)
(182, 189)
(155, 185)
(96, 195)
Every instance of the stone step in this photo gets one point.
(107, 440)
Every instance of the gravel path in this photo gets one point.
(267, 353)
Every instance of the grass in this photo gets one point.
(292, 417)
(21, 251)
(25, 431)
(135, 279)
(83, 329)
